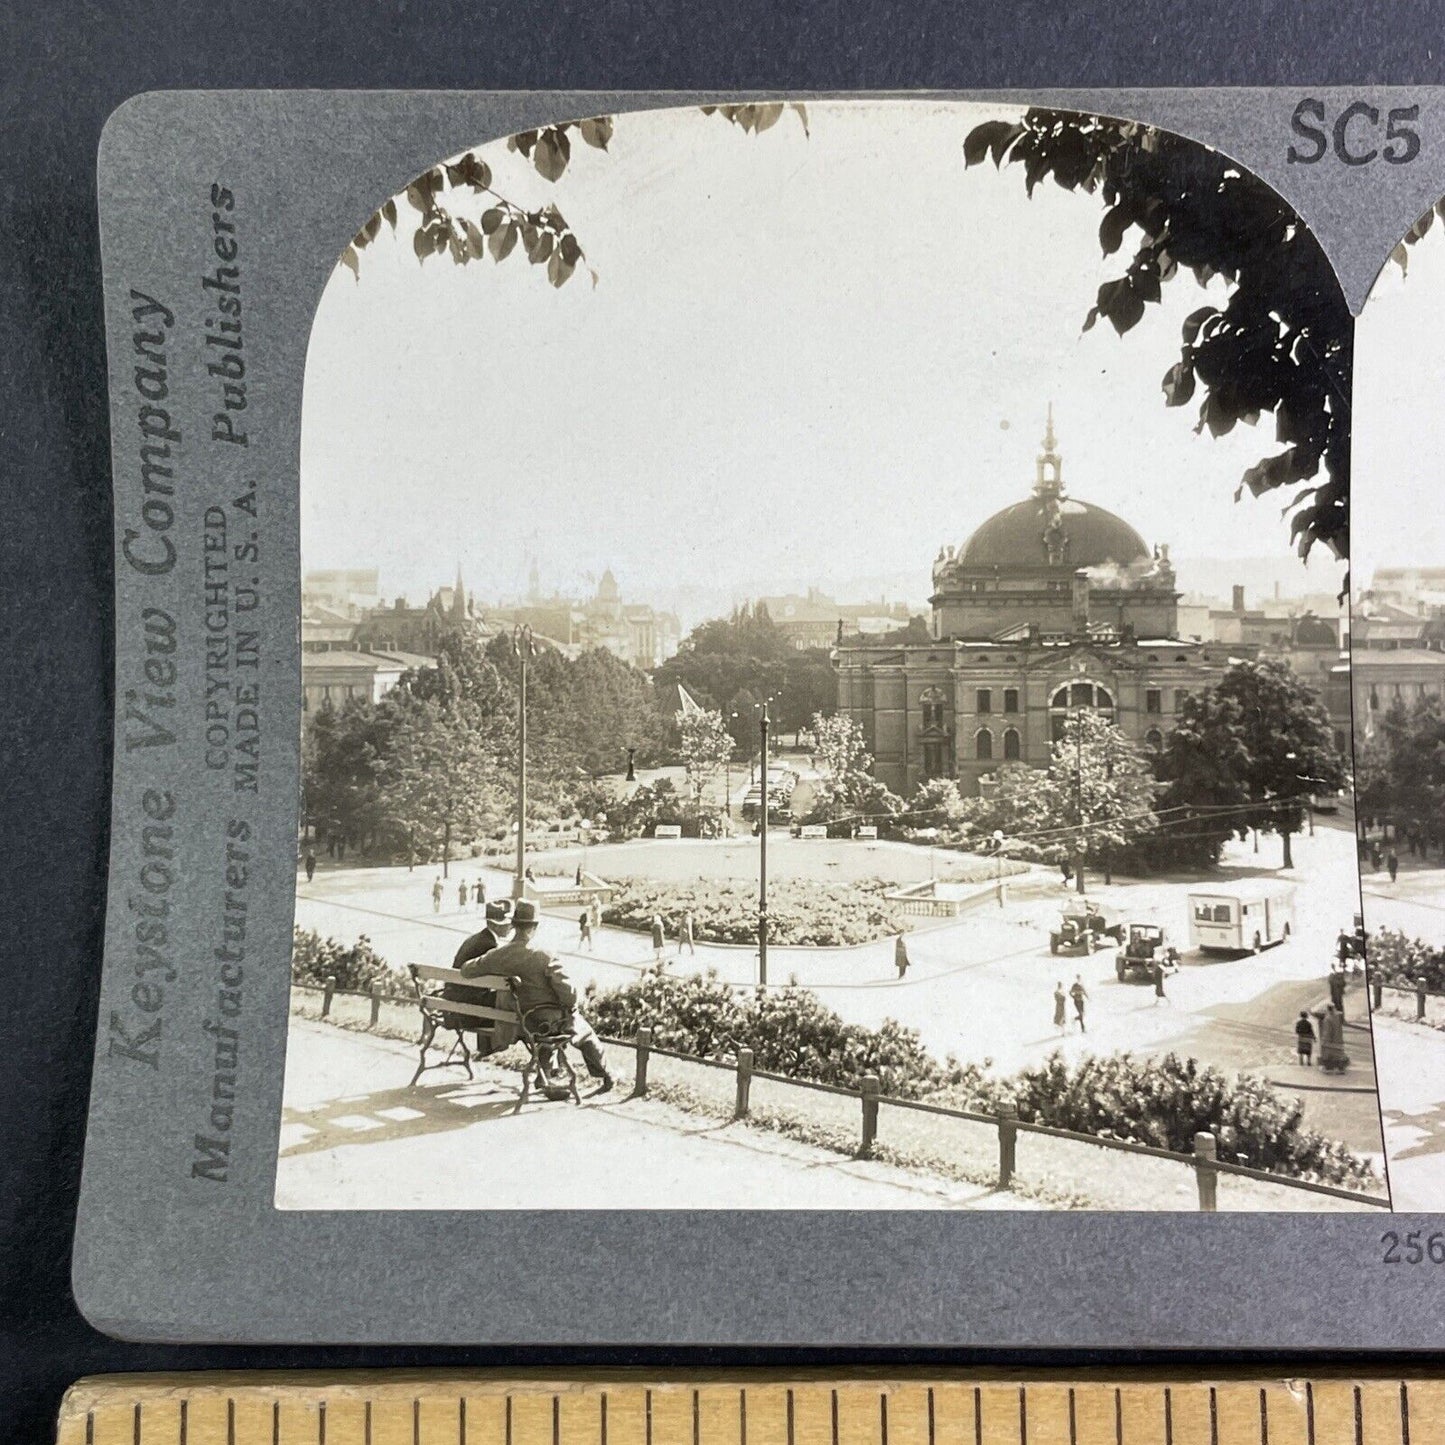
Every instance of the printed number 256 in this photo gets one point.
(1353, 134)
(1412, 1248)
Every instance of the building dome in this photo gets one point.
(1015, 537)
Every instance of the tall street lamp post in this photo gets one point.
(763, 721)
(525, 649)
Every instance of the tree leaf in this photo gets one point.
(350, 260)
(597, 131)
(801, 111)
(1178, 384)
(491, 219)
(388, 211)
(768, 116)
(551, 153)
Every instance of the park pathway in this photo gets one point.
(354, 1136)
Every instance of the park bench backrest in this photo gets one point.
(425, 973)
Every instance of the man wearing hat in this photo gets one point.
(542, 985)
(478, 946)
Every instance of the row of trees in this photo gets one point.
(1401, 770)
(434, 763)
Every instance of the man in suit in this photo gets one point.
(478, 946)
(542, 985)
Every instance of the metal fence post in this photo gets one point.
(1008, 1139)
(1419, 998)
(1378, 990)
(1206, 1153)
(326, 994)
(643, 1044)
(869, 1093)
(745, 1083)
(376, 988)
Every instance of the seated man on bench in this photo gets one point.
(544, 995)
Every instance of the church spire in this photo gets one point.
(459, 598)
(1049, 466)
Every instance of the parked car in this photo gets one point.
(1083, 926)
(1146, 944)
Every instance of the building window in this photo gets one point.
(1010, 699)
(1154, 740)
(935, 760)
(931, 702)
(984, 700)
(1011, 749)
(1180, 693)
(983, 744)
(1073, 698)
(1153, 700)
(1374, 699)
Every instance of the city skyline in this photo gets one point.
(892, 399)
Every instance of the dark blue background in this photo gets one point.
(64, 65)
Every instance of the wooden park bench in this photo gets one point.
(498, 1018)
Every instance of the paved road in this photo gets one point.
(354, 1136)
(1412, 1102)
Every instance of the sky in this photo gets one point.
(808, 358)
(1396, 515)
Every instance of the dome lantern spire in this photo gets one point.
(1049, 466)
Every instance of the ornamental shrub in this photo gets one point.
(1162, 1102)
(1395, 959)
(355, 967)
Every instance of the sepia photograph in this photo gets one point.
(1397, 659)
(829, 681)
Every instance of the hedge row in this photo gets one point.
(355, 967)
(800, 910)
(1162, 1102)
(1397, 960)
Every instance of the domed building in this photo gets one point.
(1052, 604)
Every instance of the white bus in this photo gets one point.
(1241, 917)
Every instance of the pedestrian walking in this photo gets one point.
(1067, 871)
(596, 908)
(584, 930)
(479, 893)
(684, 934)
(528, 874)
(310, 865)
(578, 880)
(1304, 1037)
(1159, 995)
(462, 895)
(1337, 990)
(1061, 1001)
(436, 896)
(1392, 862)
(659, 938)
(900, 955)
(1080, 996)
(1375, 856)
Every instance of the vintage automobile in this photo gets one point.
(1083, 926)
(1145, 945)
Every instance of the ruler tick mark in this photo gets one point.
(415, 1421)
(647, 1415)
(1023, 1416)
(509, 1420)
(1309, 1412)
(1404, 1414)
(932, 1438)
(462, 1420)
(1359, 1418)
(696, 1418)
(1119, 1417)
(366, 1422)
(321, 1423)
(789, 1415)
(90, 1424)
(602, 1417)
(883, 1419)
(1213, 1416)
(1073, 1420)
(275, 1422)
(185, 1420)
(230, 1421)
(742, 1418)
(1168, 1416)
(135, 1424)
(835, 1417)
(556, 1420)
(977, 1416)
(1264, 1417)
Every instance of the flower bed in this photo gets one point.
(800, 910)
(1399, 961)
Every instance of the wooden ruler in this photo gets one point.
(631, 1409)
